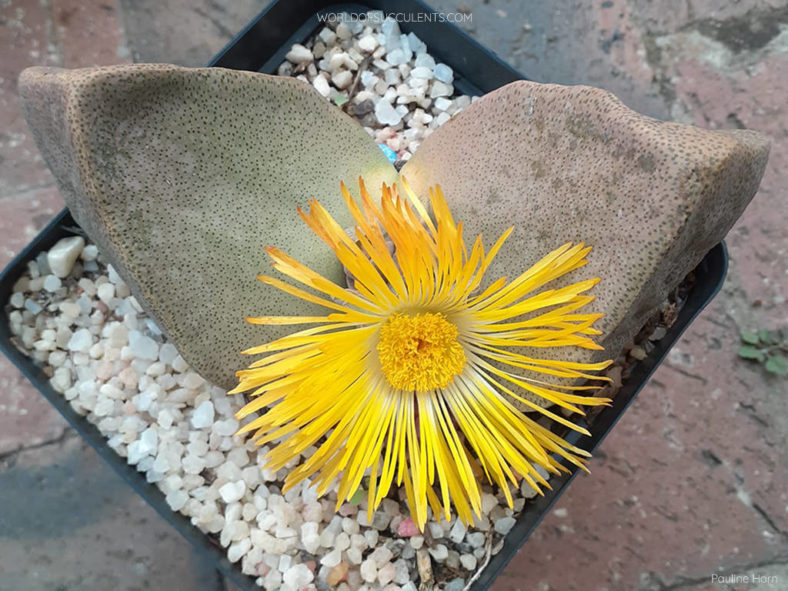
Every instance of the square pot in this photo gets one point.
(261, 46)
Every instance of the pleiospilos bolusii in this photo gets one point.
(182, 176)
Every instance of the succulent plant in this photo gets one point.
(182, 176)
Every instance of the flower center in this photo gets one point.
(420, 352)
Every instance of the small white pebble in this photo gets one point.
(233, 491)
(193, 464)
(386, 574)
(33, 307)
(62, 256)
(81, 341)
(440, 89)
(52, 283)
(192, 381)
(105, 292)
(444, 73)
(440, 553)
(236, 551)
(297, 576)
(526, 490)
(368, 43)
(386, 114)
(299, 54)
(457, 532)
(177, 499)
(442, 118)
(149, 441)
(89, 252)
(327, 36)
(179, 364)
(321, 85)
(504, 525)
(226, 428)
(168, 353)
(442, 103)
(104, 408)
(202, 416)
(417, 46)
(489, 502)
(421, 72)
(342, 79)
(142, 347)
(61, 380)
(468, 561)
(369, 570)
(343, 31)
(17, 300)
(435, 530)
(87, 286)
(310, 537)
(155, 369)
(475, 539)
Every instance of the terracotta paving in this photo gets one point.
(689, 492)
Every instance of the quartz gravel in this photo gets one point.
(75, 316)
(383, 77)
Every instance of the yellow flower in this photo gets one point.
(412, 375)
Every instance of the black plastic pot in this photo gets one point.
(261, 46)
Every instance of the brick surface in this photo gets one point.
(24, 216)
(70, 33)
(89, 33)
(26, 418)
(750, 95)
(68, 523)
(184, 32)
(26, 39)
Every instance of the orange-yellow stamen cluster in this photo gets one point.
(420, 352)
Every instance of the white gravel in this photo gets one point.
(62, 256)
(76, 317)
(397, 90)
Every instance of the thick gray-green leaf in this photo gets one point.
(182, 176)
(563, 164)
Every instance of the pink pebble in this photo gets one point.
(407, 529)
(386, 133)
